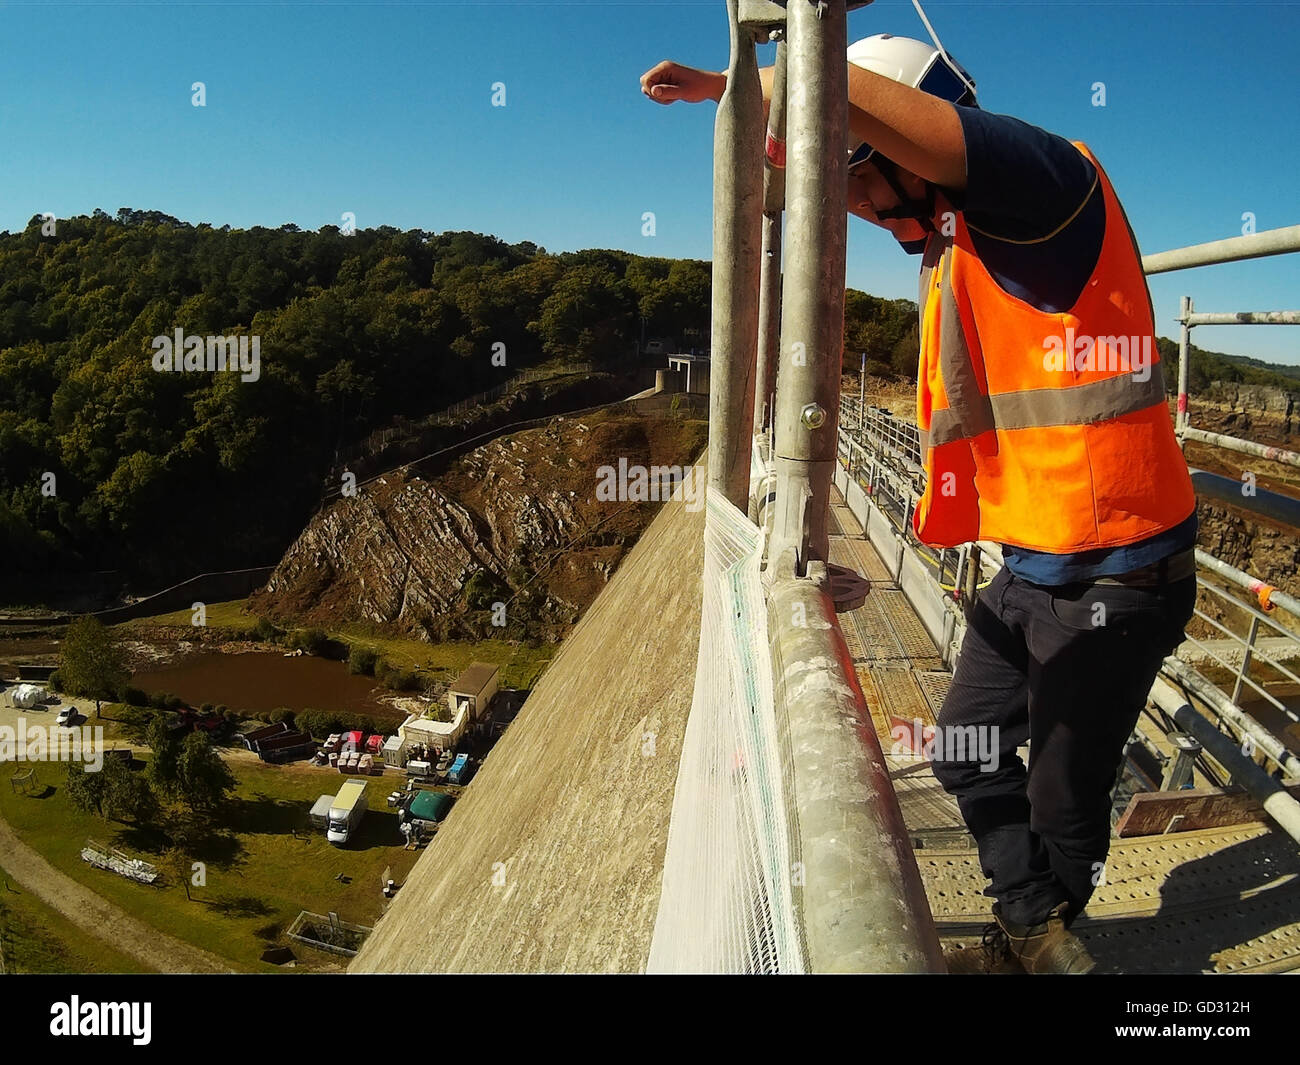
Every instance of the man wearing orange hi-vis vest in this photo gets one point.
(1041, 404)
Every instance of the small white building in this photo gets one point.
(694, 370)
(419, 730)
(394, 752)
(473, 690)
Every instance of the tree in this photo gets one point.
(204, 779)
(85, 790)
(127, 795)
(907, 352)
(164, 766)
(178, 866)
(91, 660)
(586, 314)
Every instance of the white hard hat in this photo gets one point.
(912, 63)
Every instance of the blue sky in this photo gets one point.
(385, 110)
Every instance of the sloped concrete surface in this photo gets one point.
(552, 860)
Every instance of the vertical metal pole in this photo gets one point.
(769, 293)
(1184, 357)
(812, 323)
(1178, 775)
(862, 386)
(1246, 657)
(737, 235)
(972, 576)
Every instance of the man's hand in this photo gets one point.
(667, 82)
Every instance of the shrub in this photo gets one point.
(132, 696)
(267, 632)
(158, 700)
(313, 641)
(135, 721)
(320, 723)
(207, 708)
(362, 660)
(56, 681)
(482, 589)
(282, 713)
(174, 702)
(437, 629)
(401, 680)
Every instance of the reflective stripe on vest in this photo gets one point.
(1058, 454)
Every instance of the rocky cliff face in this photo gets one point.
(1262, 550)
(520, 512)
(1275, 402)
(396, 551)
(1232, 533)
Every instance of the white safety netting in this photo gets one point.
(726, 902)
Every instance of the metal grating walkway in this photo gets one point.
(1222, 900)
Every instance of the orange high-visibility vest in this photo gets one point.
(1042, 430)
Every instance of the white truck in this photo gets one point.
(348, 808)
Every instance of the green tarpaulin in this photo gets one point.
(430, 806)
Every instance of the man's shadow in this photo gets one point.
(1203, 915)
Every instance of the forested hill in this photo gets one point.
(167, 474)
(108, 464)
(164, 474)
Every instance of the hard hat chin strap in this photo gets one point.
(919, 210)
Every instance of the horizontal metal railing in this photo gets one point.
(1235, 249)
(871, 449)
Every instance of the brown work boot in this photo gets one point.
(992, 956)
(1048, 947)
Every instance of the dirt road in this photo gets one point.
(99, 918)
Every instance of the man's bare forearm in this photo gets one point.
(919, 132)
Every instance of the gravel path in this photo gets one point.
(99, 918)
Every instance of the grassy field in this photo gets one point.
(37, 939)
(520, 666)
(231, 615)
(259, 876)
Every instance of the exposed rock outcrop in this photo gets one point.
(520, 512)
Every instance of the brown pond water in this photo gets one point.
(266, 681)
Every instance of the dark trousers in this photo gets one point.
(1068, 669)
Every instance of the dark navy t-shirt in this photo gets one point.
(1034, 208)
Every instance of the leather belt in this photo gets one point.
(1174, 567)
